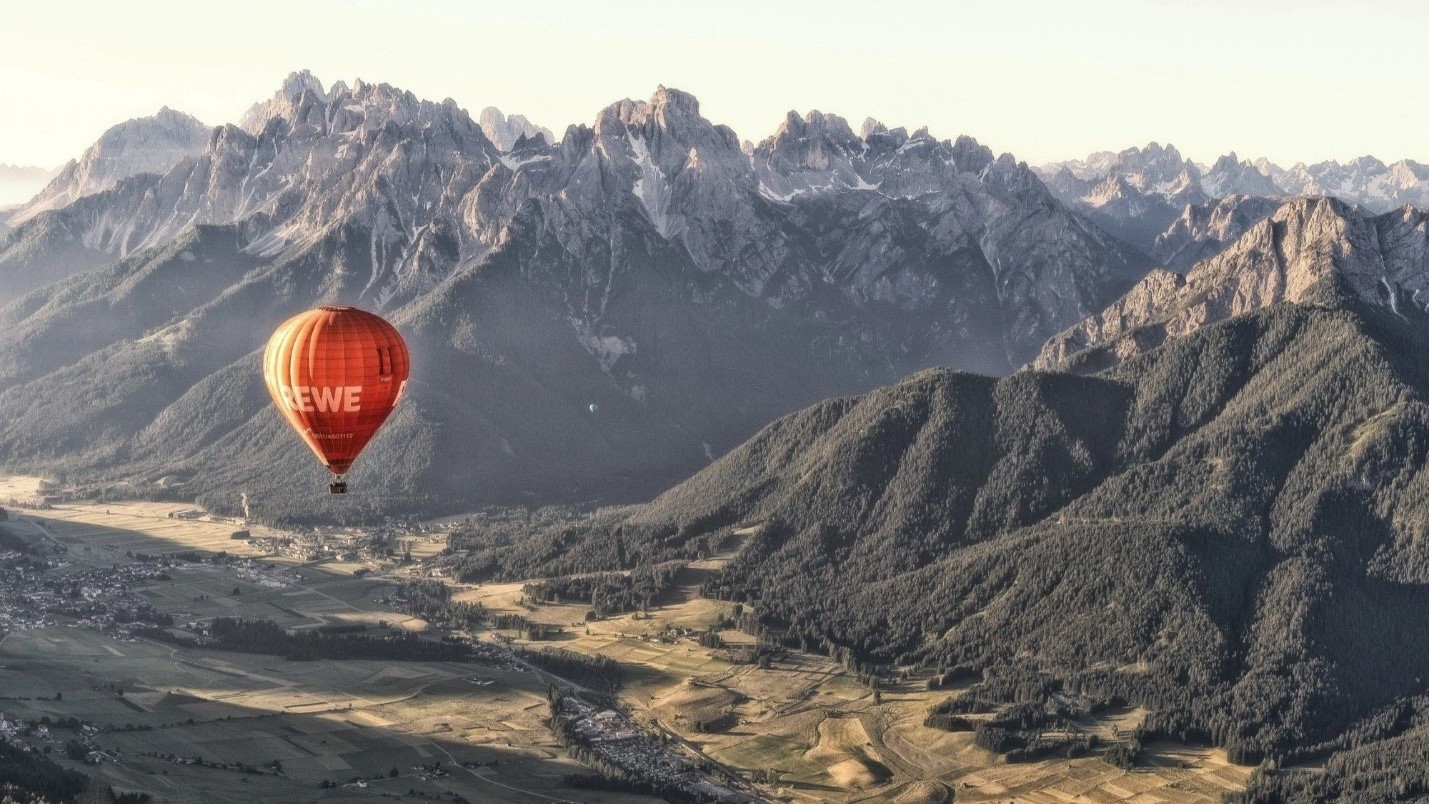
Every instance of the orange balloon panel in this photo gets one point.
(336, 373)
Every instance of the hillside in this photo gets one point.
(1226, 529)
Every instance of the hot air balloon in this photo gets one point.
(594, 408)
(336, 373)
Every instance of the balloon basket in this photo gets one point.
(338, 486)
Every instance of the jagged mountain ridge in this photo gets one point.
(1204, 230)
(1161, 170)
(647, 254)
(1381, 259)
(300, 166)
(505, 131)
(144, 145)
(1145, 195)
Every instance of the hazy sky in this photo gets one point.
(1305, 80)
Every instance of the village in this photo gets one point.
(655, 758)
(40, 593)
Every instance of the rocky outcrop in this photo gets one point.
(143, 145)
(1309, 246)
(504, 131)
(1204, 230)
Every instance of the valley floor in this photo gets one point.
(802, 727)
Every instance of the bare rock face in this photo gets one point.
(144, 145)
(818, 219)
(1366, 181)
(504, 131)
(1134, 194)
(1204, 230)
(1161, 203)
(1151, 197)
(1305, 248)
(301, 166)
(1233, 176)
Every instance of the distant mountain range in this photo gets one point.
(644, 263)
(1149, 196)
(691, 286)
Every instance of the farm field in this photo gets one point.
(809, 725)
(161, 706)
(320, 720)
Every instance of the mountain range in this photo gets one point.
(689, 286)
(1151, 197)
(644, 263)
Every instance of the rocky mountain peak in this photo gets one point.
(669, 100)
(816, 124)
(1367, 163)
(295, 99)
(1231, 176)
(504, 131)
(150, 144)
(304, 82)
(1306, 251)
(1406, 173)
(1204, 230)
(669, 114)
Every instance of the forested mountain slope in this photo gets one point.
(1227, 529)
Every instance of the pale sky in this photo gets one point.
(1301, 80)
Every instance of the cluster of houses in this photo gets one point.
(34, 593)
(30, 737)
(618, 740)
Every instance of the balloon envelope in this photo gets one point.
(594, 408)
(336, 373)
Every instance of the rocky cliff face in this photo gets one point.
(144, 145)
(1204, 230)
(1134, 195)
(1309, 247)
(302, 166)
(1365, 181)
(504, 131)
(1233, 176)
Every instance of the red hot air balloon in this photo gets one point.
(336, 373)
